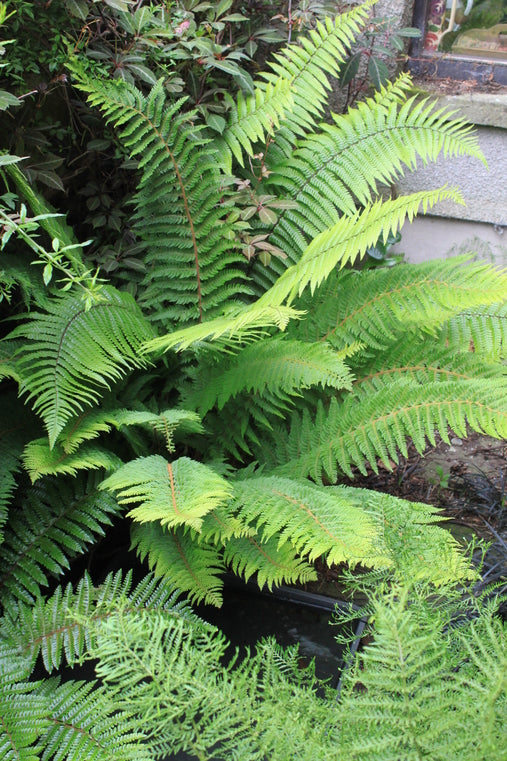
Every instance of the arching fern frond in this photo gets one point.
(422, 359)
(358, 431)
(175, 493)
(376, 307)
(275, 365)
(91, 424)
(193, 266)
(240, 325)
(485, 326)
(71, 353)
(181, 561)
(347, 240)
(253, 117)
(60, 519)
(408, 540)
(315, 520)
(307, 65)
(40, 460)
(334, 171)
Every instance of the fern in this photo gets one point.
(191, 260)
(70, 352)
(377, 307)
(349, 239)
(60, 519)
(349, 434)
(176, 494)
(279, 367)
(178, 558)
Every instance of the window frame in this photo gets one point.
(427, 64)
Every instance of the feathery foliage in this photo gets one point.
(229, 448)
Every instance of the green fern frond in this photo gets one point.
(485, 326)
(352, 433)
(253, 117)
(274, 365)
(240, 325)
(60, 629)
(41, 460)
(348, 240)
(175, 493)
(59, 520)
(315, 520)
(191, 257)
(71, 353)
(331, 172)
(421, 360)
(17, 427)
(307, 65)
(22, 710)
(181, 561)
(408, 540)
(376, 307)
(84, 723)
(91, 424)
(271, 562)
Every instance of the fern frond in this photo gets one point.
(347, 240)
(60, 519)
(274, 365)
(60, 629)
(83, 722)
(353, 433)
(377, 307)
(307, 65)
(191, 258)
(272, 563)
(331, 172)
(175, 556)
(243, 324)
(175, 493)
(22, 711)
(253, 117)
(17, 426)
(315, 520)
(71, 353)
(485, 326)
(92, 423)
(421, 360)
(41, 460)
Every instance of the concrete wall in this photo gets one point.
(481, 225)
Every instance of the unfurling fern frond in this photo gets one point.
(276, 366)
(72, 353)
(60, 519)
(175, 493)
(193, 267)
